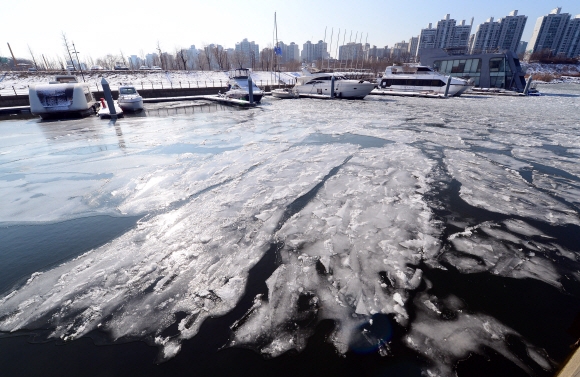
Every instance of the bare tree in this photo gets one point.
(123, 58)
(266, 62)
(201, 60)
(160, 55)
(183, 57)
(239, 59)
(207, 55)
(90, 60)
(220, 57)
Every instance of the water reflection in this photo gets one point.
(119, 133)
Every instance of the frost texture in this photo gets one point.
(216, 189)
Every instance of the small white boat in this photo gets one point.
(419, 81)
(61, 98)
(238, 86)
(105, 112)
(284, 93)
(129, 99)
(319, 83)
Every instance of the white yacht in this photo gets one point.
(63, 97)
(317, 82)
(238, 86)
(129, 99)
(418, 81)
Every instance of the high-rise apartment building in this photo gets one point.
(250, 50)
(511, 30)
(427, 37)
(447, 34)
(486, 37)
(292, 52)
(504, 34)
(350, 51)
(549, 31)
(312, 52)
(570, 44)
(413, 44)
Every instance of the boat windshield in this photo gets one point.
(127, 91)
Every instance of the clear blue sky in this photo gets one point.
(98, 28)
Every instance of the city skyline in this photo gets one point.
(230, 21)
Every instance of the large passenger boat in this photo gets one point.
(319, 82)
(63, 97)
(419, 81)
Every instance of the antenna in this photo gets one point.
(337, 39)
(331, 34)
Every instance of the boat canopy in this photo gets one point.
(240, 73)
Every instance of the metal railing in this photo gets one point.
(23, 89)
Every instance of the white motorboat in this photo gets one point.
(105, 111)
(129, 99)
(238, 86)
(318, 83)
(284, 93)
(63, 97)
(419, 81)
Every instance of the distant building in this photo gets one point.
(413, 45)
(512, 28)
(427, 37)
(486, 37)
(570, 43)
(289, 52)
(152, 59)
(350, 51)
(549, 31)
(249, 50)
(400, 51)
(312, 52)
(522, 47)
(292, 52)
(505, 34)
(134, 62)
(447, 35)
(307, 52)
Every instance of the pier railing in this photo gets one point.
(143, 85)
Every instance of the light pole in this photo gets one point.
(78, 61)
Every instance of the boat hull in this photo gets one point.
(135, 104)
(455, 90)
(342, 89)
(283, 94)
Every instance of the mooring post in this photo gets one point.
(332, 86)
(447, 86)
(109, 98)
(250, 90)
(527, 88)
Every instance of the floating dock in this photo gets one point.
(229, 101)
(214, 98)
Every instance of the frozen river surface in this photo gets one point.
(426, 235)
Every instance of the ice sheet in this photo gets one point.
(488, 186)
(349, 250)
